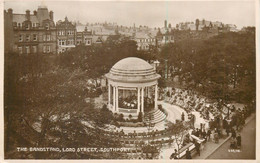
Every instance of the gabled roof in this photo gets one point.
(65, 24)
(20, 18)
(192, 27)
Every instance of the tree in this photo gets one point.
(179, 131)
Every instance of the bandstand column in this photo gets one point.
(155, 97)
(138, 100)
(114, 98)
(109, 100)
(142, 109)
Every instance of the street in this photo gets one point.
(248, 135)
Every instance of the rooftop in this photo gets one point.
(132, 69)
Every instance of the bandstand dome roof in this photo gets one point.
(132, 69)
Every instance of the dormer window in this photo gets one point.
(33, 25)
(47, 26)
(27, 26)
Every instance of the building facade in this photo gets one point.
(30, 33)
(145, 41)
(66, 35)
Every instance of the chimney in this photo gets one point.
(197, 24)
(203, 22)
(51, 15)
(10, 11)
(28, 14)
(170, 26)
(34, 12)
(165, 23)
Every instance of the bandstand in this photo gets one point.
(132, 87)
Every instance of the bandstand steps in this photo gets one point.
(156, 116)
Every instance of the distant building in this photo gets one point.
(164, 36)
(83, 37)
(30, 33)
(66, 35)
(144, 41)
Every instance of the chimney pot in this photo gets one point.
(10, 11)
(51, 15)
(28, 14)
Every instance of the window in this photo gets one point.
(78, 42)
(48, 37)
(61, 32)
(47, 26)
(70, 42)
(34, 37)
(34, 49)
(62, 42)
(20, 50)
(19, 25)
(70, 32)
(48, 49)
(20, 38)
(27, 49)
(34, 25)
(27, 26)
(27, 38)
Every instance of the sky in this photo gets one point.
(149, 13)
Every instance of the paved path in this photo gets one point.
(248, 134)
(174, 112)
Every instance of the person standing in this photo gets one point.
(204, 134)
(182, 116)
(233, 132)
(239, 140)
(188, 154)
(228, 129)
(208, 135)
(197, 147)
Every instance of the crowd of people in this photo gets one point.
(229, 118)
(129, 102)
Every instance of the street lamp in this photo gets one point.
(166, 71)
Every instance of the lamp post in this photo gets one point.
(166, 69)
